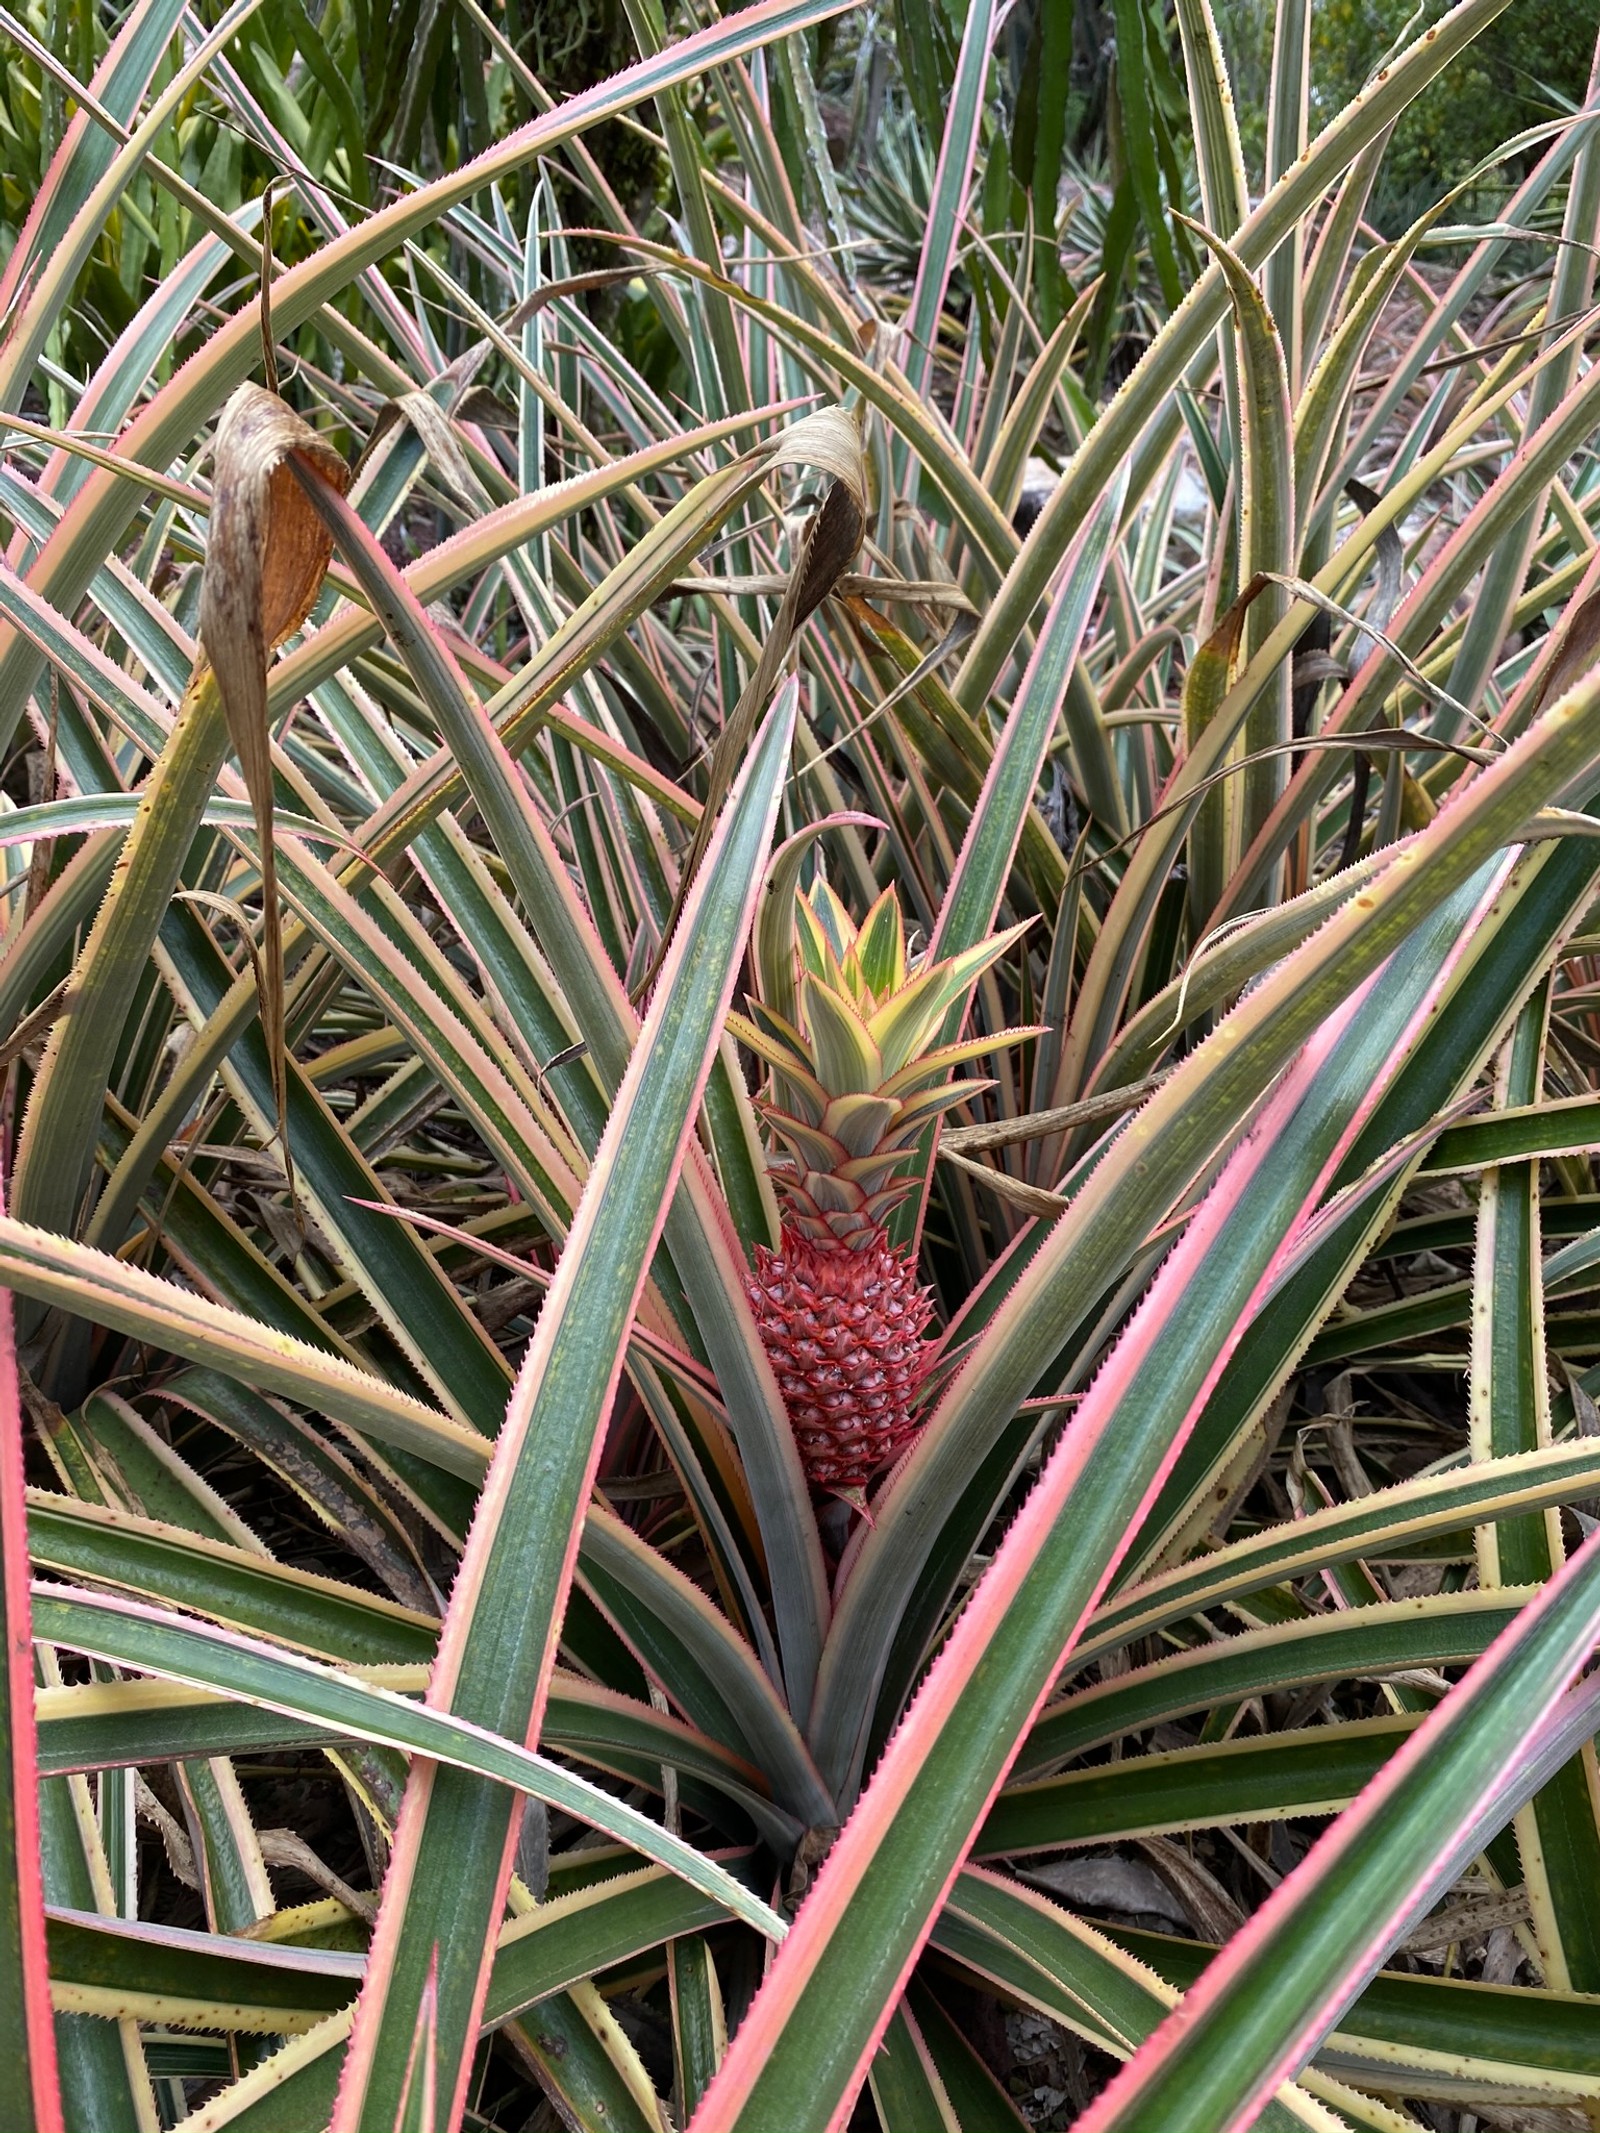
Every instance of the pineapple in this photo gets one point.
(854, 1085)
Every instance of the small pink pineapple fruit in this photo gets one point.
(856, 1078)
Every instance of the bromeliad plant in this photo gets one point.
(439, 1326)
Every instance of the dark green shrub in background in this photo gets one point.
(1531, 64)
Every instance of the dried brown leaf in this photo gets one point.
(266, 558)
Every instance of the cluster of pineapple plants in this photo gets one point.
(799, 1294)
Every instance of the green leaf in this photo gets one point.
(97, 1286)
(1510, 1413)
(1314, 1771)
(445, 1881)
(1389, 1636)
(1324, 1930)
(1030, 1946)
(355, 1710)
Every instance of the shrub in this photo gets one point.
(1529, 66)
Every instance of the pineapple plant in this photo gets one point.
(847, 1025)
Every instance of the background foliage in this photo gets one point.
(1533, 62)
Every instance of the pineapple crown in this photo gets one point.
(847, 1024)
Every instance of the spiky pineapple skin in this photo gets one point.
(843, 1330)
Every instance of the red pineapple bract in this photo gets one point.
(856, 1078)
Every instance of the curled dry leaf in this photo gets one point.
(829, 442)
(265, 562)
